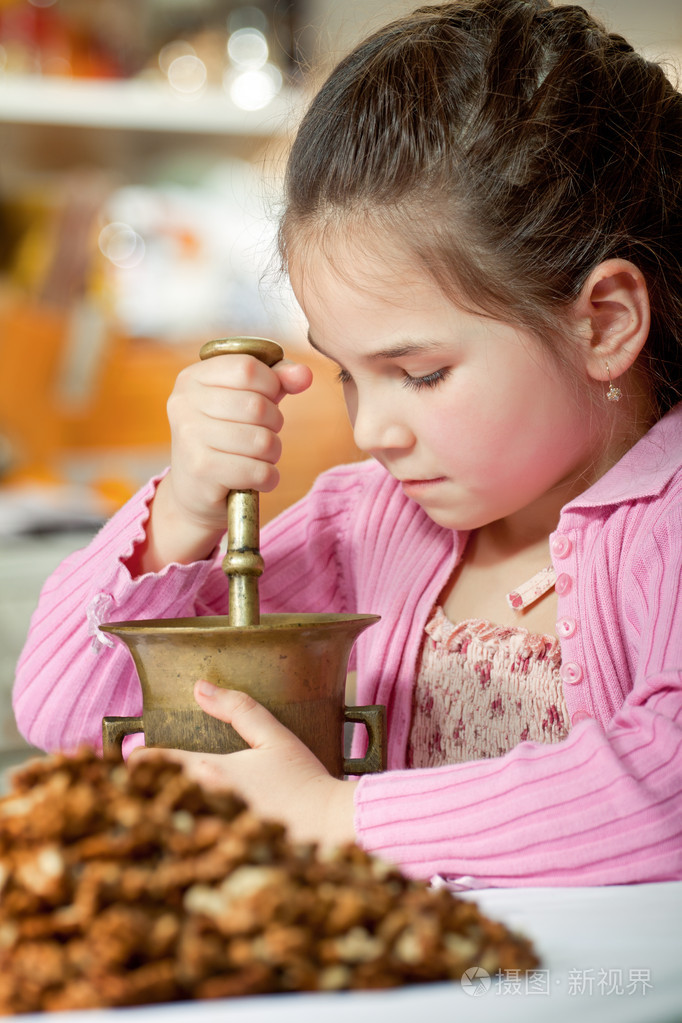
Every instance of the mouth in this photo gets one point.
(413, 487)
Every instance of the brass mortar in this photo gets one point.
(295, 665)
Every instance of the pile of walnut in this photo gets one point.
(124, 886)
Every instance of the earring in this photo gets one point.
(614, 393)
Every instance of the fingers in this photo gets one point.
(276, 748)
(245, 373)
(294, 376)
(279, 778)
(249, 407)
(207, 769)
(256, 725)
(156, 753)
(203, 472)
(236, 373)
(225, 422)
(210, 439)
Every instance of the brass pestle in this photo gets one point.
(243, 564)
(294, 664)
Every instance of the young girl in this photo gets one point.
(483, 228)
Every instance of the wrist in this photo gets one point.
(171, 536)
(338, 813)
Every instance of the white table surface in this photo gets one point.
(609, 955)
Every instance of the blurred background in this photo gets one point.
(141, 152)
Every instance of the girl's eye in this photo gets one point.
(413, 383)
(430, 380)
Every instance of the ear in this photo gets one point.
(612, 311)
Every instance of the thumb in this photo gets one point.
(256, 725)
(294, 377)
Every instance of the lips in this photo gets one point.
(414, 487)
(410, 483)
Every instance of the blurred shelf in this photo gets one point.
(136, 105)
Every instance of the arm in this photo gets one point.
(156, 557)
(602, 807)
(69, 675)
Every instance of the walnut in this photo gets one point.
(125, 886)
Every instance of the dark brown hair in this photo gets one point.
(510, 147)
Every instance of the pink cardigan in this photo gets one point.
(604, 806)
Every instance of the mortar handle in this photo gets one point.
(243, 563)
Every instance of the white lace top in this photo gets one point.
(481, 689)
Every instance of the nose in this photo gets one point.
(379, 426)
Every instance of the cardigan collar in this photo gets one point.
(643, 471)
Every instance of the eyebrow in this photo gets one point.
(400, 351)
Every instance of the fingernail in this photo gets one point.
(205, 688)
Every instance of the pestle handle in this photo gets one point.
(243, 563)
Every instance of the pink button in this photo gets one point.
(561, 546)
(563, 584)
(571, 673)
(566, 627)
(580, 715)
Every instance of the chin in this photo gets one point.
(450, 520)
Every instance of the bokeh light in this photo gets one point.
(253, 90)
(171, 51)
(248, 49)
(121, 245)
(187, 75)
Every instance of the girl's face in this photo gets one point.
(471, 414)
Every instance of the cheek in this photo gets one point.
(450, 423)
(484, 437)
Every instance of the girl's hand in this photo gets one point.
(278, 777)
(224, 417)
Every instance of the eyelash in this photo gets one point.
(429, 381)
(411, 383)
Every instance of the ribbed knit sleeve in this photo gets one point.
(605, 805)
(69, 675)
(353, 545)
